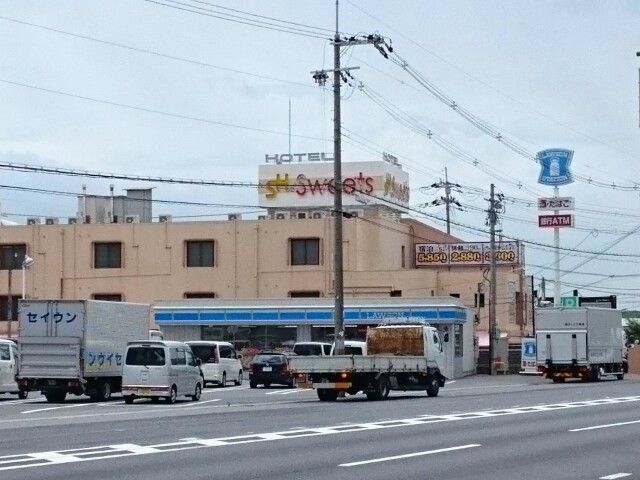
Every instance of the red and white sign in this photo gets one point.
(556, 221)
(556, 203)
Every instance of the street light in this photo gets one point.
(27, 262)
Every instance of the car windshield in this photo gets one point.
(206, 353)
(4, 352)
(307, 349)
(149, 356)
(269, 359)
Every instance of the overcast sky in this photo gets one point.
(543, 73)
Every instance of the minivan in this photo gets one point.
(312, 348)
(156, 369)
(9, 369)
(220, 362)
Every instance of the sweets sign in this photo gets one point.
(453, 254)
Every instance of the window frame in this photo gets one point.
(306, 261)
(189, 243)
(96, 245)
(19, 248)
(95, 296)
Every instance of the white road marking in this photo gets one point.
(290, 391)
(615, 475)
(225, 389)
(598, 427)
(197, 404)
(486, 386)
(27, 460)
(409, 455)
(65, 406)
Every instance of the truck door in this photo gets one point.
(562, 347)
(50, 338)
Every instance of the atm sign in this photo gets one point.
(555, 221)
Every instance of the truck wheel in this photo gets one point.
(23, 394)
(198, 394)
(252, 384)
(173, 396)
(381, 389)
(128, 399)
(103, 391)
(239, 381)
(433, 387)
(327, 395)
(558, 379)
(56, 396)
(620, 376)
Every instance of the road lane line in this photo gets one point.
(609, 425)
(615, 475)
(64, 406)
(486, 386)
(409, 455)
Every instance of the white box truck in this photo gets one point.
(399, 357)
(76, 346)
(585, 343)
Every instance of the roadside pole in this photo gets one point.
(557, 290)
(493, 341)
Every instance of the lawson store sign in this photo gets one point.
(167, 315)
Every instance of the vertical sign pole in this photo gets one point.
(556, 244)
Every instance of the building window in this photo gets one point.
(479, 300)
(457, 340)
(454, 295)
(200, 253)
(11, 256)
(199, 295)
(108, 297)
(304, 294)
(107, 255)
(395, 293)
(305, 251)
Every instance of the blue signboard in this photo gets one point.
(555, 166)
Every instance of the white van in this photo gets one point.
(352, 347)
(220, 362)
(154, 369)
(9, 369)
(312, 348)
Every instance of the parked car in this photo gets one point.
(312, 348)
(268, 368)
(155, 369)
(220, 362)
(352, 347)
(9, 369)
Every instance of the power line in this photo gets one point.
(152, 110)
(488, 85)
(152, 52)
(94, 174)
(227, 17)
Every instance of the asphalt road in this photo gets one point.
(479, 427)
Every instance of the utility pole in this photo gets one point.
(495, 206)
(447, 199)
(339, 75)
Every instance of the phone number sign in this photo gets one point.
(473, 253)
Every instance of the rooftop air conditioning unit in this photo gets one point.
(72, 220)
(301, 215)
(281, 215)
(316, 215)
(165, 218)
(132, 219)
(234, 216)
(51, 221)
(262, 217)
(33, 221)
